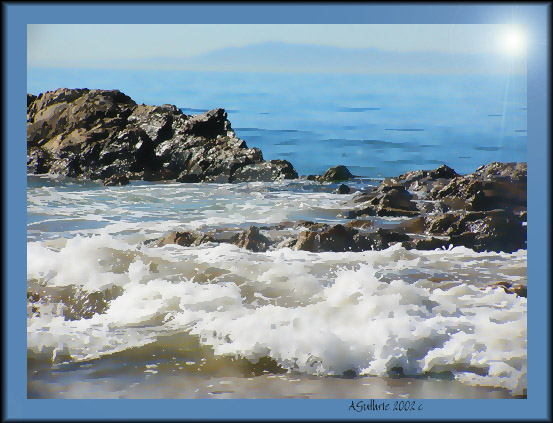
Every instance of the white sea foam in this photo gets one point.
(316, 313)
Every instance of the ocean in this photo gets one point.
(111, 316)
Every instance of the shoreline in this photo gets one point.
(280, 386)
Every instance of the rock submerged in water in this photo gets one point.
(272, 170)
(116, 180)
(250, 239)
(391, 200)
(334, 174)
(97, 134)
(499, 229)
(343, 189)
(484, 210)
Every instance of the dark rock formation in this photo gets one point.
(429, 243)
(268, 171)
(252, 240)
(496, 186)
(184, 239)
(484, 210)
(410, 179)
(343, 189)
(499, 229)
(360, 224)
(336, 238)
(116, 180)
(340, 238)
(337, 174)
(387, 200)
(97, 134)
(334, 174)
(30, 99)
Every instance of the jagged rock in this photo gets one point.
(390, 200)
(116, 180)
(339, 238)
(208, 125)
(38, 161)
(268, 171)
(482, 211)
(184, 239)
(96, 134)
(415, 225)
(30, 100)
(495, 186)
(157, 121)
(317, 227)
(496, 230)
(362, 197)
(442, 172)
(360, 224)
(430, 243)
(336, 238)
(288, 243)
(343, 189)
(425, 176)
(252, 240)
(511, 172)
(336, 174)
(379, 240)
(307, 241)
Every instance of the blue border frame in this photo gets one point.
(16, 18)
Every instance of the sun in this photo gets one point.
(512, 41)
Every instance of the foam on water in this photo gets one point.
(152, 209)
(315, 313)
(98, 289)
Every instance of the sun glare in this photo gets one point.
(512, 41)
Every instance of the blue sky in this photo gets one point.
(68, 45)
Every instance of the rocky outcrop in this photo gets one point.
(334, 174)
(388, 199)
(499, 229)
(116, 180)
(484, 210)
(343, 189)
(340, 238)
(272, 170)
(184, 239)
(496, 186)
(96, 134)
(251, 240)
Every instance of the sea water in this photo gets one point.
(376, 125)
(112, 315)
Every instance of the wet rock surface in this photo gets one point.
(251, 240)
(484, 210)
(96, 134)
(116, 180)
(414, 218)
(334, 174)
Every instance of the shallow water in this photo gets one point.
(113, 316)
(376, 125)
